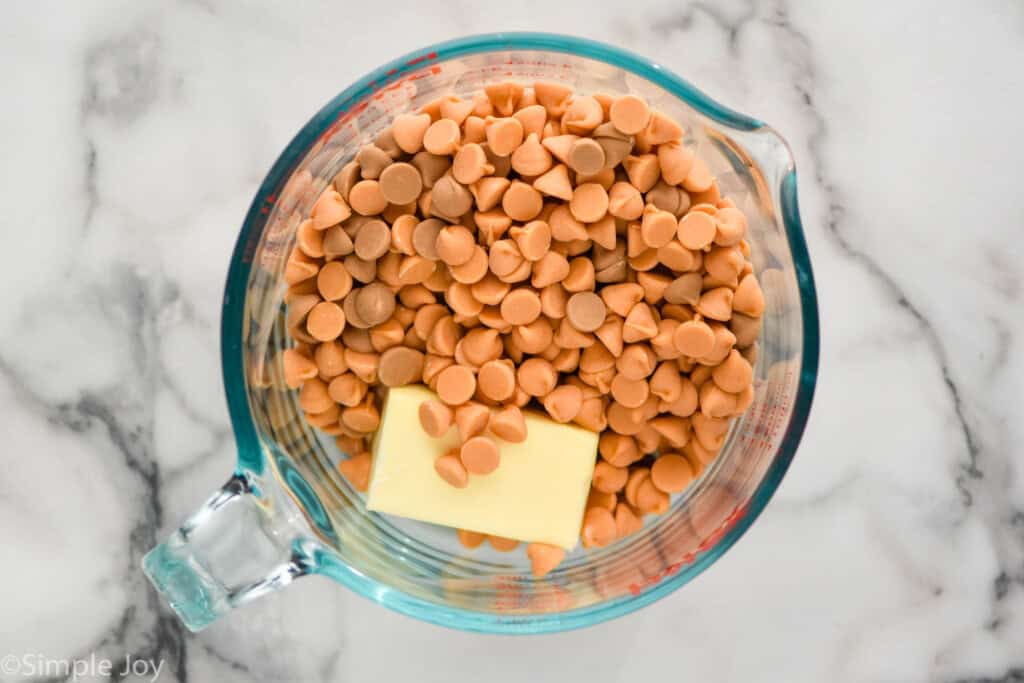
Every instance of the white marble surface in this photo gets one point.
(134, 136)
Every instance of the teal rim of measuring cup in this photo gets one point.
(251, 453)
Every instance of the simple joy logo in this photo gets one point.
(36, 665)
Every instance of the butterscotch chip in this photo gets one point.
(400, 365)
(357, 340)
(716, 303)
(372, 161)
(531, 159)
(563, 403)
(610, 334)
(521, 202)
(714, 402)
(535, 337)
(639, 324)
(533, 239)
(504, 96)
(502, 164)
(480, 455)
(696, 230)
(636, 361)
(431, 167)
(699, 179)
(496, 379)
(559, 146)
(543, 558)
(401, 234)
(489, 290)
(675, 161)
(372, 240)
(598, 528)
(583, 115)
(346, 178)
(356, 471)
(503, 545)
(567, 360)
(504, 135)
(330, 209)
(589, 202)
(352, 316)
(408, 131)
(444, 336)
(470, 164)
(568, 337)
(449, 198)
(508, 424)
(602, 232)
(325, 321)
(326, 420)
(455, 108)
(564, 226)
(749, 299)
(442, 137)
(424, 238)
(537, 377)
(521, 306)
(630, 114)
(626, 521)
(414, 270)
(450, 468)
(631, 393)
(333, 281)
(363, 365)
(694, 338)
(460, 299)
(337, 242)
(665, 197)
(374, 303)
(555, 183)
(533, 117)
(745, 328)
(456, 385)
(309, 240)
(586, 156)
(330, 357)
(643, 171)
(585, 311)
(471, 419)
(734, 374)
(658, 227)
(618, 449)
(685, 289)
(454, 245)
(608, 478)
(662, 129)
(472, 270)
(625, 201)
(470, 539)
(651, 500)
(580, 276)
(297, 368)
(481, 345)
(401, 183)
(366, 198)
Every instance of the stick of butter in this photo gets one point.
(538, 493)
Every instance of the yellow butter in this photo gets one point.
(538, 493)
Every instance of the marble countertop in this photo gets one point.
(134, 137)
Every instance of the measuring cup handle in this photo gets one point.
(228, 553)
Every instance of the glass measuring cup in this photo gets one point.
(286, 513)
